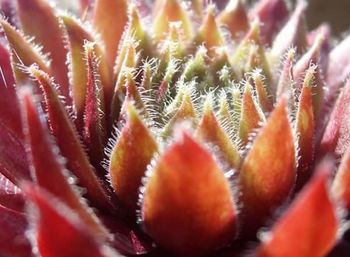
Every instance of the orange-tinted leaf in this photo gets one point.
(37, 19)
(129, 158)
(137, 31)
(262, 92)
(110, 19)
(132, 95)
(209, 33)
(126, 63)
(55, 224)
(68, 141)
(305, 129)
(167, 11)
(251, 53)
(187, 203)
(185, 111)
(311, 56)
(251, 114)
(268, 172)
(76, 37)
(210, 130)
(49, 172)
(235, 18)
(22, 53)
(309, 227)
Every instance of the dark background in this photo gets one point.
(337, 12)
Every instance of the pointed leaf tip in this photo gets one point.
(209, 33)
(309, 227)
(268, 171)
(187, 203)
(67, 140)
(130, 156)
(49, 172)
(305, 128)
(106, 13)
(235, 18)
(37, 17)
(50, 215)
(210, 130)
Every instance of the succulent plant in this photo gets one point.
(172, 128)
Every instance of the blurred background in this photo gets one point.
(336, 12)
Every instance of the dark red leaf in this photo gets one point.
(13, 240)
(58, 231)
(68, 142)
(94, 134)
(11, 196)
(49, 172)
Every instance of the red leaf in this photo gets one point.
(268, 172)
(13, 241)
(9, 111)
(58, 231)
(11, 196)
(68, 141)
(76, 37)
(49, 172)
(187, 203)
(309, 227)
(38, 18)
(12, 156)
(94, 134)
(13, 163)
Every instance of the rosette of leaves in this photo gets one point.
(172, 129)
